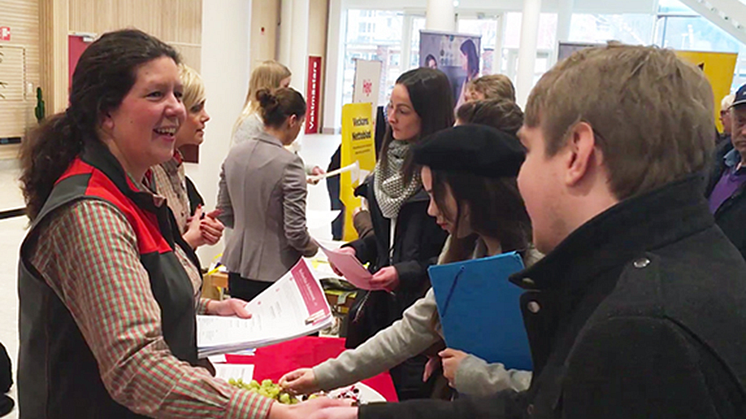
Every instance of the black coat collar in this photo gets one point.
(620, 234)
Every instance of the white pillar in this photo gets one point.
(441, 16)
(406, 43)
(527, 49)
(294, 44)
(226, 91)
(564, 20)
(284, 45)
(294, 40)
(336, 34)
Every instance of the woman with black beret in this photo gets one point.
(469, 173)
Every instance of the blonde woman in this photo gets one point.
(169, 178)
(269, 75)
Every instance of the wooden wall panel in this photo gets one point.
(17, 111)
(53, 21)
(170, 20)
(191, 55)
(181, 21)
(265, 14)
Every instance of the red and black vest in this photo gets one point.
(58, 376)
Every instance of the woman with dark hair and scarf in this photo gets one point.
(405, 240)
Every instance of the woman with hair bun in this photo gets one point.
(263, 198)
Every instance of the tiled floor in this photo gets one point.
(316, 151)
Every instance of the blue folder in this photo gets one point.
(480, 309)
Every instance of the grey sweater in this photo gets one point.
(418, 329)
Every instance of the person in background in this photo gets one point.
(106, 286)
(470, 64)
(473, 196)
(725, 119)
(492, 86)
(169, 179)
(268, 75)
(405, 240)
(727, 179)
(637, 309)
(431, 62)
(262, 197)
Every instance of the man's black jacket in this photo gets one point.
(639, 313)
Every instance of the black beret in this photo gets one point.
(475, 149)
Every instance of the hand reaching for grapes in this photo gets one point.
(300, 381)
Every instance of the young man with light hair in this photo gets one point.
(637, 310)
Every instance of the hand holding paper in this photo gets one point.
(346, 264)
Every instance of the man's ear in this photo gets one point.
(583, 154)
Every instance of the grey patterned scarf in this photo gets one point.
(389, 186)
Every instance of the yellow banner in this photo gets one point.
(358, 145)
(718, 68)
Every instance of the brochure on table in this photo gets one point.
(354, 271)
(292, 307)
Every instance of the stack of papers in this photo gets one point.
(292, 307)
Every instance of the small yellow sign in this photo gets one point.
(718, 68)
(358, 145)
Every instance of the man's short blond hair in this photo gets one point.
(494, 86)
(652, 113)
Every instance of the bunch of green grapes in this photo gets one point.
(267, 389)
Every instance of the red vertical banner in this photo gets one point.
(313, 95)
(75, 47)
(4, 33)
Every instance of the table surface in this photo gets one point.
(272, 362)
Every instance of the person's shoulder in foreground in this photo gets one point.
(636, 311)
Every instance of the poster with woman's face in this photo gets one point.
(456, 55)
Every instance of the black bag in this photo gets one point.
(6, 381)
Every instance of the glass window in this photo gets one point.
(512, 37)
(547, 30)
(679, 27)
(418, 24)
(693, 33)
(373, 35)
(636, 29)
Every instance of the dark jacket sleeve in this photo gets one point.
(506, 405)
(637, 368)
(366, 249)
(195, 199)
(420, 252)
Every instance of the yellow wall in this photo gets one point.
(718, 68)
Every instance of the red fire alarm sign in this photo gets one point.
(4, 33)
